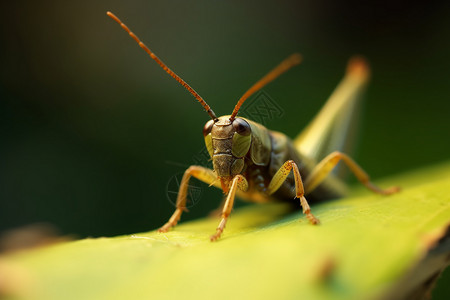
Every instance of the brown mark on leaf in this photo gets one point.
(326, 269)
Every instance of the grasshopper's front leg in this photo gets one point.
(204, 174)
(278, 179)
(240, 182)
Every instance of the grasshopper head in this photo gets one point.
(228, 142)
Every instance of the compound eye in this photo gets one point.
(208, 126)
(242, 127)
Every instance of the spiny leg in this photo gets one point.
(319, 173)
(278, 179)
(206, 175)
(240, 182)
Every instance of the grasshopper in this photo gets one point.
(261, 165)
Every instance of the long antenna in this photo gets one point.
(292, 60)
(163, 65)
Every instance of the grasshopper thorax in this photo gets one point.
(228, 142)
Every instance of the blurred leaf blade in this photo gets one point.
(363, 249)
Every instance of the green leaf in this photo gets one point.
(366, 247)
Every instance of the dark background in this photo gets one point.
(92, 129)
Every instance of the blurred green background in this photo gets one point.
(92, 129)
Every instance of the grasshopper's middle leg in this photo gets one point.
(204, 174)
(324, 167)
(278, 179)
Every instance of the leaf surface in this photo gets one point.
(364, 248)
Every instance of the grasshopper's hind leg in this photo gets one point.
(278, 179)
(206, 175)
(319, 173)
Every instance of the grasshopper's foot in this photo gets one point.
(312, 219)
(392, 190)
(166, 227)
(388, 191)
(173, 220)
(307, 210)
(219, 229)
(217, 235)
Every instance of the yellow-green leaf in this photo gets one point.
(367, 247)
